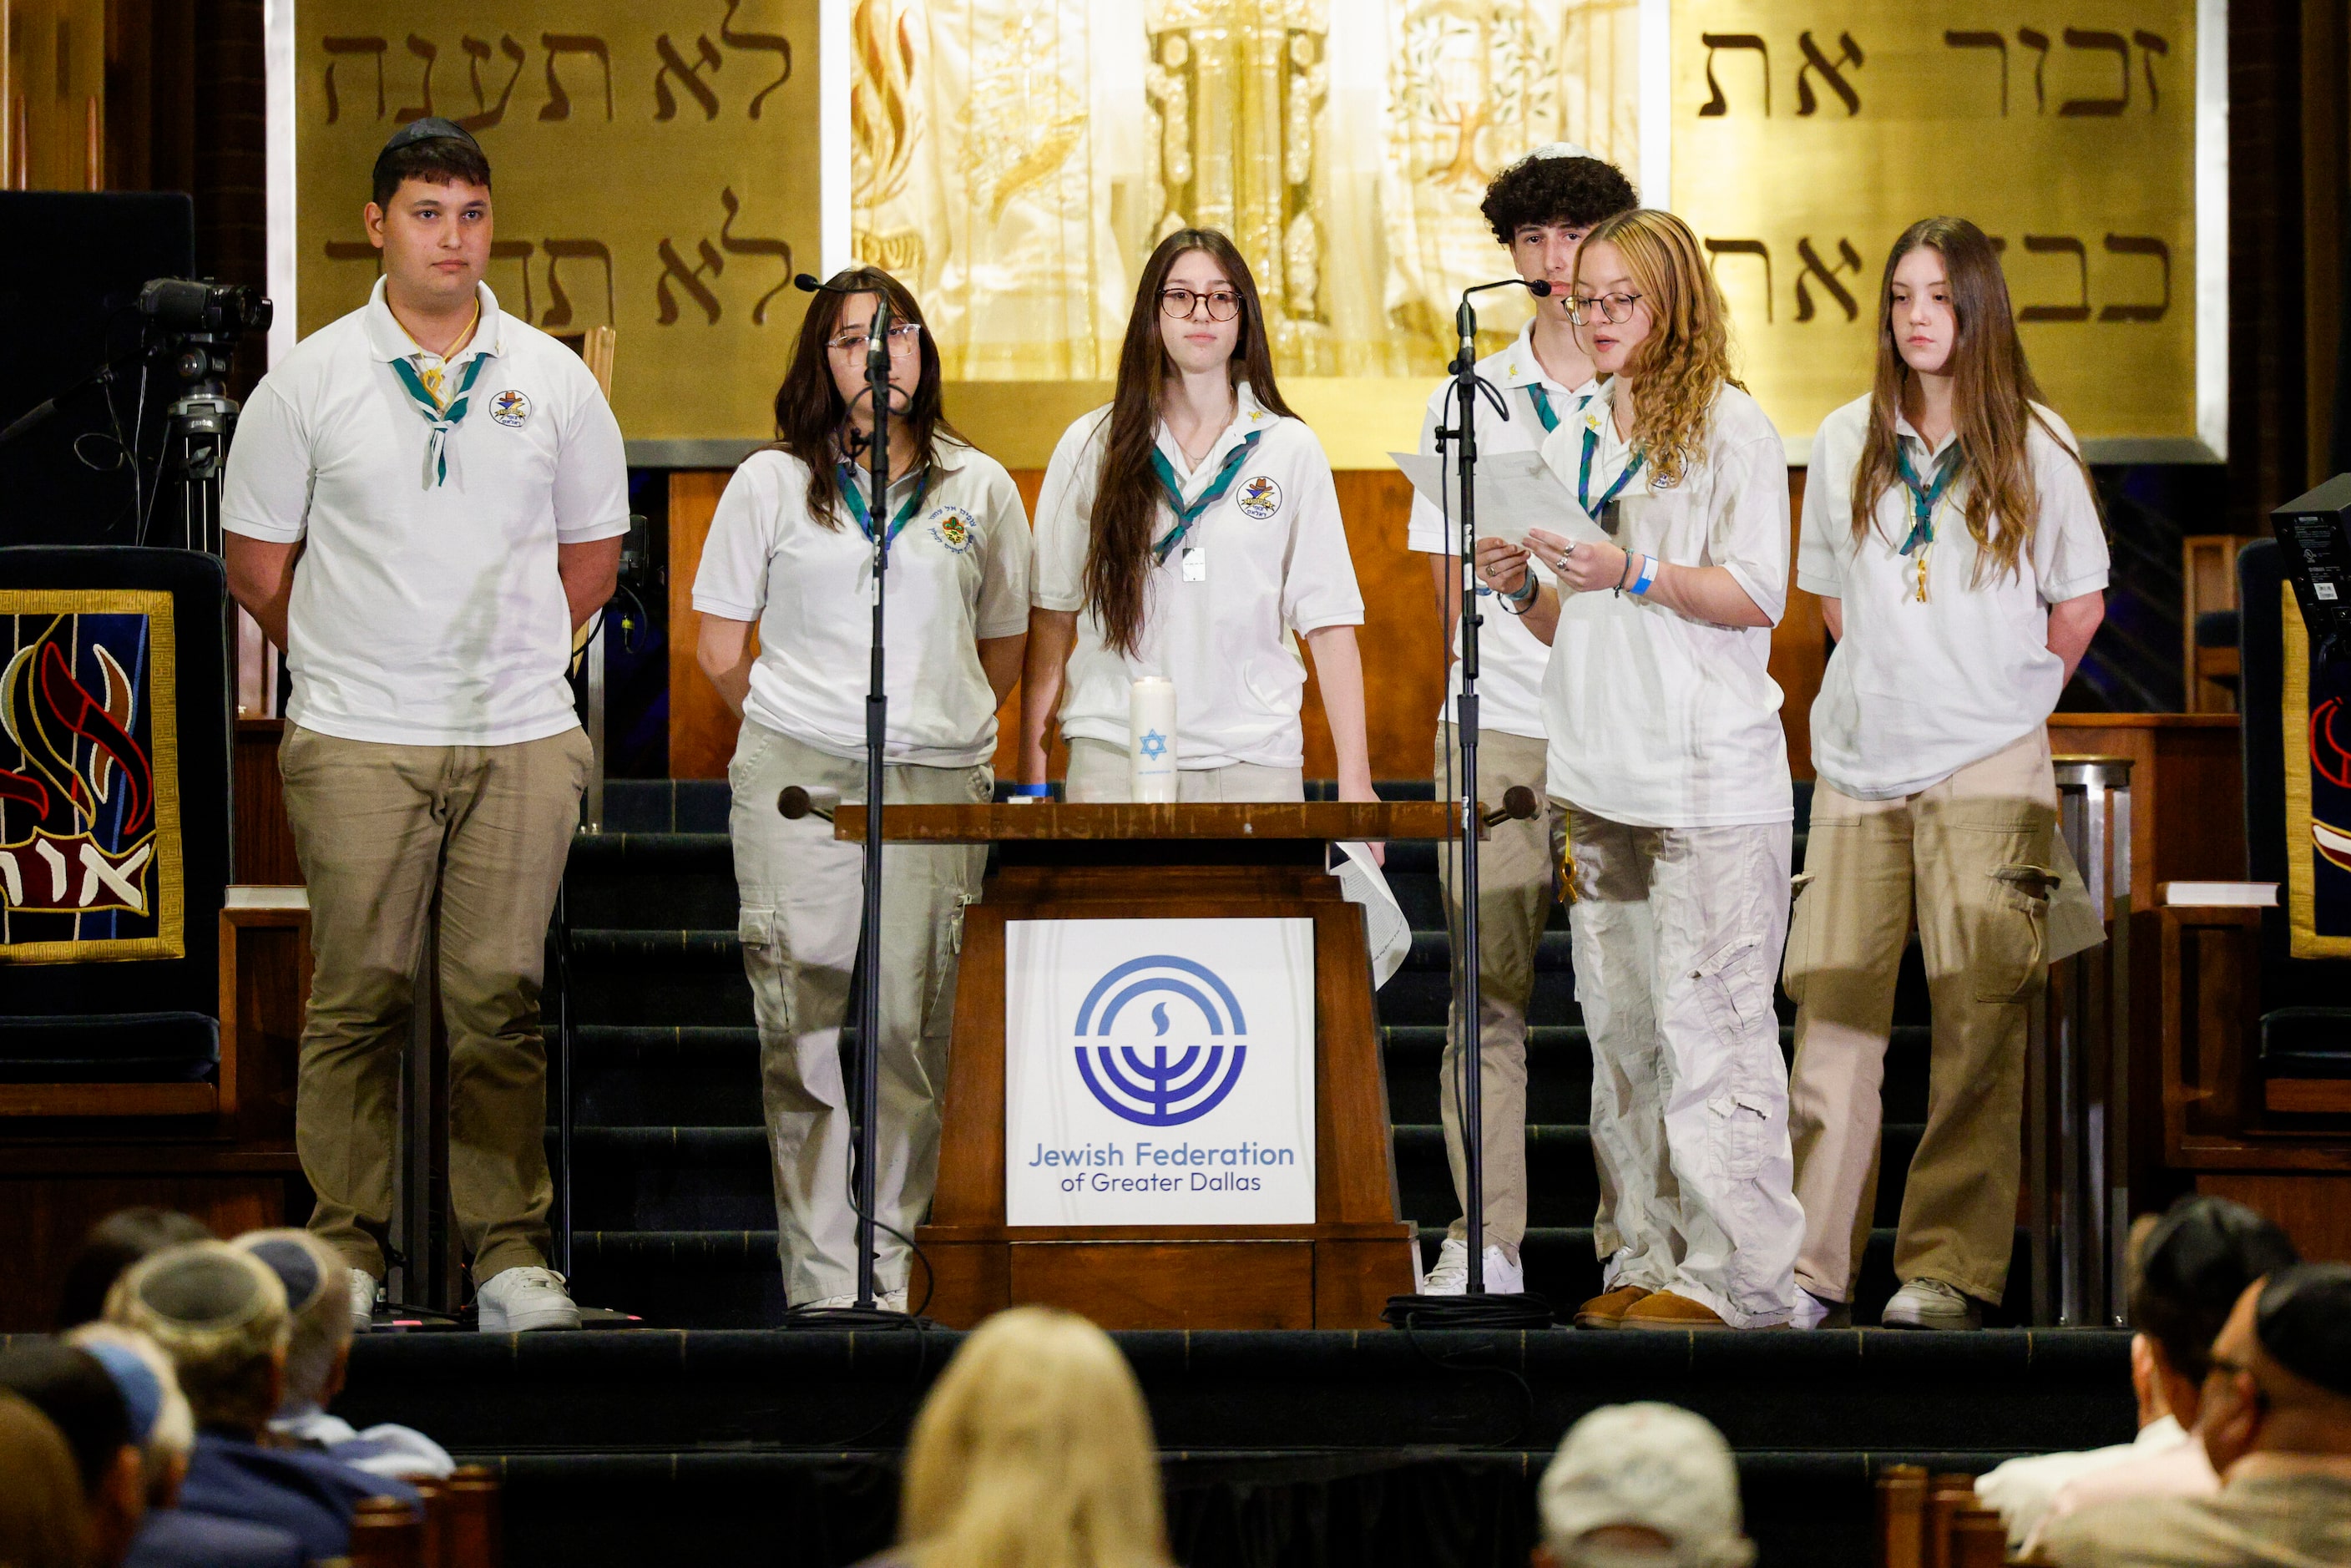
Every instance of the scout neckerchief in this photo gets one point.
(1583, 474)
(424, 392)
(851, 474)
(1923, 497)
(1543, 406)
(1186, 515)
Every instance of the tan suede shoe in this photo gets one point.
(1665, 1309)
(1608, 1311)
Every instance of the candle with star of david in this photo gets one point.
(1151, 739)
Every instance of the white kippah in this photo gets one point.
(1556, 149)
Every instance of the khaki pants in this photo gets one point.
(1676, 932)
(1098, 772)
(1515, 892)
(382, 830)
(1969, 855)
(802, 896)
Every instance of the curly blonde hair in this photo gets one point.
(1685, 363)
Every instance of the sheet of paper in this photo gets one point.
(1516, 491)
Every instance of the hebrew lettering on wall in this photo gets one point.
(1805, 142)
(654, 171)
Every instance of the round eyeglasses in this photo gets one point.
(1223, 303)
(905, 337)
(1612, 309)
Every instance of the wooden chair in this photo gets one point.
(473, 1531)
(1902, 1516)
(1978, 1539)
(1948, 1497)
(2207, 584)
(387, 1534)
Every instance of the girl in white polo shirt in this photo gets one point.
(1953, 533)
(791, 550)
(1670, 776)
(1187, 530)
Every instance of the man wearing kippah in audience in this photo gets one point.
(1642, 1486)
(2276, 1425)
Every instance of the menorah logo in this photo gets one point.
(1173, 1080)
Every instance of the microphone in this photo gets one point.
(1537, 287)
(809, 283)
(794, 803)
(1518, 805)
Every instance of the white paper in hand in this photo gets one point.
(1516, 491)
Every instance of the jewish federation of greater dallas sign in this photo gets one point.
(1159, 1073)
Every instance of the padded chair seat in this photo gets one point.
(117, 1048)
(2306, 1042)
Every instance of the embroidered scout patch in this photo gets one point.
(1259, 497)
(952, 527)
(510, 408)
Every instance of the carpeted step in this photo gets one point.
(648, 1075)
(679, 977)
(643, 881)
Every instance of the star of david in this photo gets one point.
(1154, 745)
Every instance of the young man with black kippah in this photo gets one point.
(2276, 1426)
(1540, 207)
(424, 503)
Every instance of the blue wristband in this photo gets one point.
(1648, 575)
(1031, 791)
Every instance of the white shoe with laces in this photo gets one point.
(364, 1290)
(1451, 1275)
(525, 1300)
(1931, 1304)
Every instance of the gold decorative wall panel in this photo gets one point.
(656, 168)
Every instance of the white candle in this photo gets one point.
(1151, 739)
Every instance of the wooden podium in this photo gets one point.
(1219, 860)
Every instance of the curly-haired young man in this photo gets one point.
(1541, 209)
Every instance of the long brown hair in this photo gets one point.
(1684, 364)
(1126, 500)
(1991, 399)
(810, 413)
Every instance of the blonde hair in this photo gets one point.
(321, 1321)
(1685, 363)
(1034, 1450)
(220, 1315)
(166, 1444)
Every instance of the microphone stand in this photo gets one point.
(877, 724)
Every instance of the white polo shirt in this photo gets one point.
(428, 614)
(1916, 692)
(1510, 659)
(958, 573)
(1272, 559)
(1656, 719)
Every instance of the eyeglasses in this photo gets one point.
(903, 338)
(1612, 309)
(1223, 303)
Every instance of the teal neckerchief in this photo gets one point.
(1583, 477)
(442, 420)
(1542, 400)
(1186, 515)
(858, 508)
(1923, 497)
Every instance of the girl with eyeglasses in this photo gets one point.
(1954, 537)
(1187, 531)
(791, 550)
(1670, 781)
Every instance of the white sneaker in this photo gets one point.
(1819, 1313)
(892, 1301)
(364, 1290)
(1451, 1275)
(1931, 1304)
(520, 1300)
(826, 1305)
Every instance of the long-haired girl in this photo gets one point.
(1952, 534)
(790, 549)
(1185, 531)
(1669, 779)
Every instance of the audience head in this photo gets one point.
(2195, 1263)
(161, 1425)
(74, 1390)
(318, 1306)
(43, 1523)
(1644, 1484)
(2281, 1370)
(1034, 1448)
(113, 1244)
(220, 1315)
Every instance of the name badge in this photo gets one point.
(1196, 565)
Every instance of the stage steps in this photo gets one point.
(676, 1218)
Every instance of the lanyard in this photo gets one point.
(1543, 411)
(1583, 477)
(442, 420)
(1186, 515)
(858, 508)
(1923, 497)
